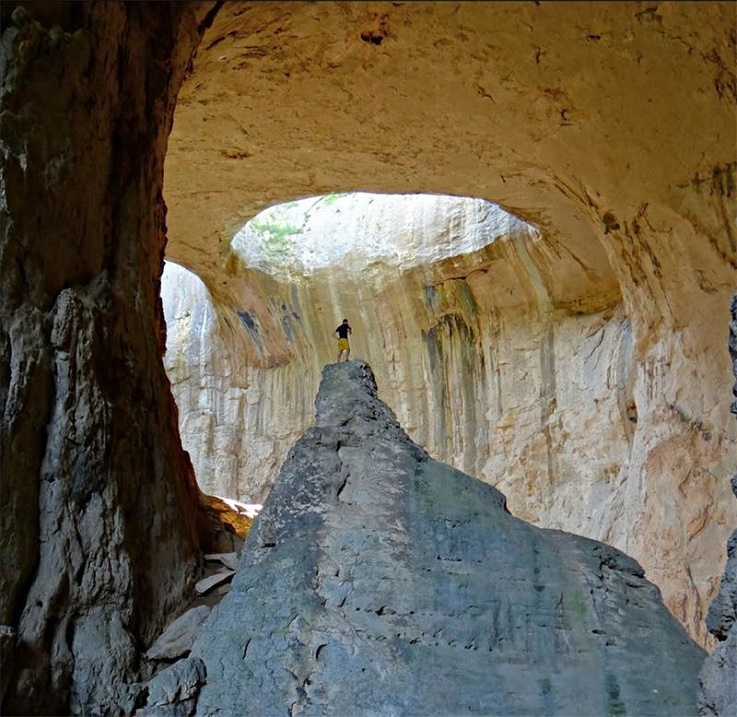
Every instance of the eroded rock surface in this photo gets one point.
(97, 498)
(633, 158)
(510, 365)
(377, 580)
(718, 679)
(718, 686)
(178, 637)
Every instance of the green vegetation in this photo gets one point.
(328, 199)
(276, 240)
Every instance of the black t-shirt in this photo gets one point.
(343, 331)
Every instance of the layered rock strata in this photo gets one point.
(377, 580)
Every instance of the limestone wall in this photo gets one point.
(97, 498)
(516, 362)
(237, 421)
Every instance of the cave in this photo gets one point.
(132, 133)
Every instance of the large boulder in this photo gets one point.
(377, 580)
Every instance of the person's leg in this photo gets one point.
(347, 354)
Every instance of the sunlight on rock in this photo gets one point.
(359, 230)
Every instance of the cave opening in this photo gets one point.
(506, 350)
(490, 348)
(294, 269)
(598, 300)
(367, 234)
(633, 206)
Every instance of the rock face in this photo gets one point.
(625, 160)
(379, 581)
(509, 365)
(718, 679)
(718, 687)
(97, 498)
(178, 637)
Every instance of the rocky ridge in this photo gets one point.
(379, 581)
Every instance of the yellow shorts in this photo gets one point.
(343, 345)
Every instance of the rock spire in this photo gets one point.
(379, 581)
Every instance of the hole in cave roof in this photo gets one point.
(355, 230)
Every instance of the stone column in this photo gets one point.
(97, 544)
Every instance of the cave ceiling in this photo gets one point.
(574, 116)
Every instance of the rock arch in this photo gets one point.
(572, 116)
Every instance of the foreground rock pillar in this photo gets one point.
(97, 539)
(379, 581)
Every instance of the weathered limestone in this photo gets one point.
(212, 581)
(718, 686)
(236, 443)
(379, 581)
(97, 498)
(485, 100)
(510, 370)
(172, 692)
(178, 638)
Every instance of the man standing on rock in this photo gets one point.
(342, 333)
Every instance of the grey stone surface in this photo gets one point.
(173, 692)
(722, 613)
(97, 509)
(733, 346)
(377, 581)
(7, 647)
(206, 584)
(718, 678)
(179, 637)
(229, 560)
